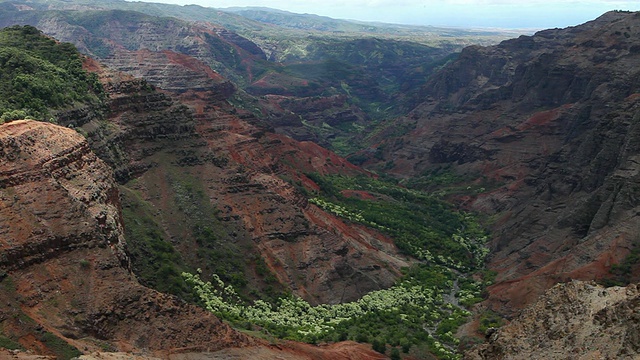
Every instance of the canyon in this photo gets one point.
(545, 126)
(203, 154)
(75, 283)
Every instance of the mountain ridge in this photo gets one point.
(542, 126)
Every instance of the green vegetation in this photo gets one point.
(38, 75)
(59, 347)
(155, 261)
(420, 224)
(488, 320)
(396, 316)
(621, 273)
(214, 252)
(436, 178)
(443, 181)
(7, 284)
(206, 241)
(9, 344)
(422, 311)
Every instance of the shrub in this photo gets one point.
(379, 346)
(395, 354)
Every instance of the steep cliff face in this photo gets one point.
(545, 128)
(65, 270)
(34, 155)
(576, 320)
(67, 287)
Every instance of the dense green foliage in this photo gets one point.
(59, 347)
(422, 311)
(37, 75)
(155, 261)
(420, 224)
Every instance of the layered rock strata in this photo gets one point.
(65, 268)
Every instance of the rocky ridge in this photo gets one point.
(31, 155)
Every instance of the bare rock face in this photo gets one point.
(45, 168)
(65, 271)
(576, 320)
(172, 71)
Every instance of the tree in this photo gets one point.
(395, 354)
(379, 346)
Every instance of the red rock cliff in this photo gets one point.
(65, 271)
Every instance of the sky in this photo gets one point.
(513, 14)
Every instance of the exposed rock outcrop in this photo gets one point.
(43, 167)
(65, 269)
(575, 320)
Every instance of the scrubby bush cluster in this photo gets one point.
(396, 316)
